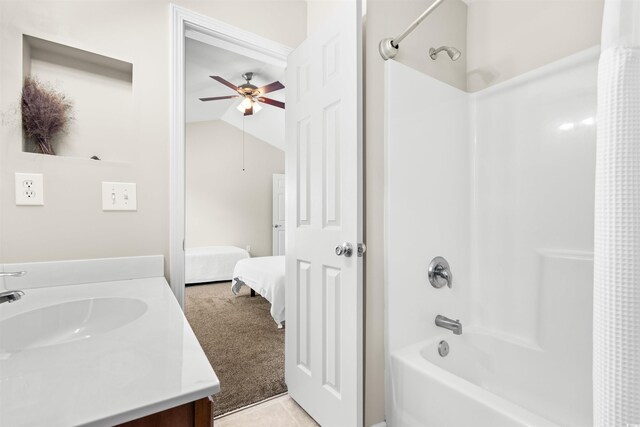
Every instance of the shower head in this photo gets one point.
(453, 53)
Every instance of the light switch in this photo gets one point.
(29, 189)
(119, 196)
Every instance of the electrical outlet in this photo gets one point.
(29, 189)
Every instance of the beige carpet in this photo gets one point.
(242, 342)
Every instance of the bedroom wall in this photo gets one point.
(227, 206)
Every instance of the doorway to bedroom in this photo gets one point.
(234, 219)
(324, 205)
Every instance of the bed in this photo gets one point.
(212, 263)
(266, 276)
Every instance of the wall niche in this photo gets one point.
(100, 89)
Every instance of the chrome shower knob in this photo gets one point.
(440, 273)
(345, 249)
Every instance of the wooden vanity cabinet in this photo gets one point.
(198, 413)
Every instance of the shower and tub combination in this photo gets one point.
(508, 203)
(489, 261)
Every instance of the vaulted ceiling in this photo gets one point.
(204, 60)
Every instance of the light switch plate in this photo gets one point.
(119, 196)
(29, 189)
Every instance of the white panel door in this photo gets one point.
(324, 199)
(278, 222)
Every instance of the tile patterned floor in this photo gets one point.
(281, 411)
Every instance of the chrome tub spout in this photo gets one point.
(453, 325)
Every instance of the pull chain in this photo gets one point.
(243, 143)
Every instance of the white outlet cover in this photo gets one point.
(119, 196)
(29, 189)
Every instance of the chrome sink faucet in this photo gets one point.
(453, 325)
(11, 296)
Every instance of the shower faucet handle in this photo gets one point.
(439, 273)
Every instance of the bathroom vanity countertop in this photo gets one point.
(106, 373)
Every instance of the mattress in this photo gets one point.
(212, 263)
(266, 276)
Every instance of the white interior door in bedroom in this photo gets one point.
(324, 212)
(278, 215)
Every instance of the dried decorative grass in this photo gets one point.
(45, 114)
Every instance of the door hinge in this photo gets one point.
(362, 248)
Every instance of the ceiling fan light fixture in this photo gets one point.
(247, 103)
(250, 94)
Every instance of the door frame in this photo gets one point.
(189, 24)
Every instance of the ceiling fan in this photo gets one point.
(252, 94)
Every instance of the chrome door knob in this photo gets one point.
(345, 249)
(276, 226)
(440, 273)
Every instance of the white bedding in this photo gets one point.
(266, 276)
(212, 263)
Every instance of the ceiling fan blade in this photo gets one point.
(215, 98)
(271, 87)
(270, 101)
(249, 111)
(224, 82)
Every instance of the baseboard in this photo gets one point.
(382, 424)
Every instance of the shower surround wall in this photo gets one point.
(500, 183)
(427, 206)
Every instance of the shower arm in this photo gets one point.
(389, 47)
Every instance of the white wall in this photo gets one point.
(506, 38)
(227, 206)
(72, 224)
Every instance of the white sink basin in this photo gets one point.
(66, 322)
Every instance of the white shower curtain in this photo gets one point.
(616, 339)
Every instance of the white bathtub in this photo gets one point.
(484, 381)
